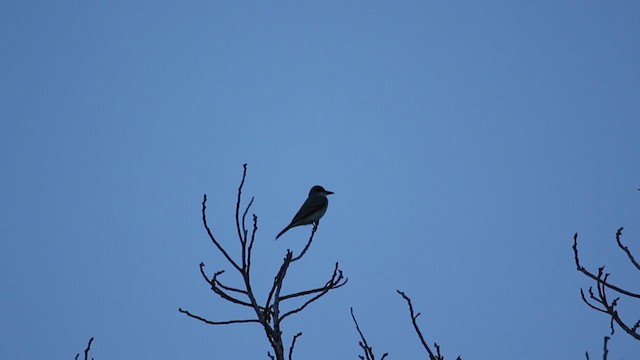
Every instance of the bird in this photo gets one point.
(311, 210)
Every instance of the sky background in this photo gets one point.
(466, 142)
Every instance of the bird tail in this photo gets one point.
(283, 231)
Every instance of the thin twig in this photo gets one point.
(243, 238)
(277, 280)
(304, 250)
(268, 315)
(213, 239)
(605, 351)
(293, 344)
(223, 286)
(583, 270)
(244, 216)
(335, 282)
(602, 282)
(86, 350)
(415, 325)
(368, 350)
(253, 238)
(588, 303)
(244, 175)
(239, 321)
(626, 249)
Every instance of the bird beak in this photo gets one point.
(329, 192)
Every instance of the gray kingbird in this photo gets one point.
(312, 210)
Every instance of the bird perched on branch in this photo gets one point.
(312, 210)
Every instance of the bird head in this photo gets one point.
(319, 190)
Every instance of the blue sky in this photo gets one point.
(465, 141)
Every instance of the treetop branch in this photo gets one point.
(414, 316)
(626, 249)
(226, 322)
(213, 239)
(583, 270)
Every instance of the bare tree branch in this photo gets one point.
(313, 232)
(216, 282)
(605, 351)
(293, 344)
(414, 316)
(336, 281)
(244, 176)
(253, 238)
(243, 238)
(626, 249)
(86, 350)
(225, 322)
(368, 350)
(213, 239)
(268, 316)
(599, 300)
(588, 303)
(583, 270)
(416, 327)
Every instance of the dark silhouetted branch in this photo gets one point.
(626, 249)
(583, 270)
(605, 350)
(368, 350)
(337, 280)
(599, 300)
(225, 322)
(609, 307)
(293, 344)
(213, 239)
(414, 317)
(244, 176)
(270, 315)
(86, 350)
(306, 247)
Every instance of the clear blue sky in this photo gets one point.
(466, 142)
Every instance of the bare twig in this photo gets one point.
(213, 239)
(599, 300)
(414, 317)
(215, 282)
(415, 325)
(304, 250)
(86, 350)
(244, 176)
(583, 270)
(605, 351)
(337, 280)
(588, 303)
(268, 316)
(253, 238)
(368, 350)
(243, 237)
(225, 322)
(293, 344)
(626, 249)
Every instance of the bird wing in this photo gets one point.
(310, 206)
